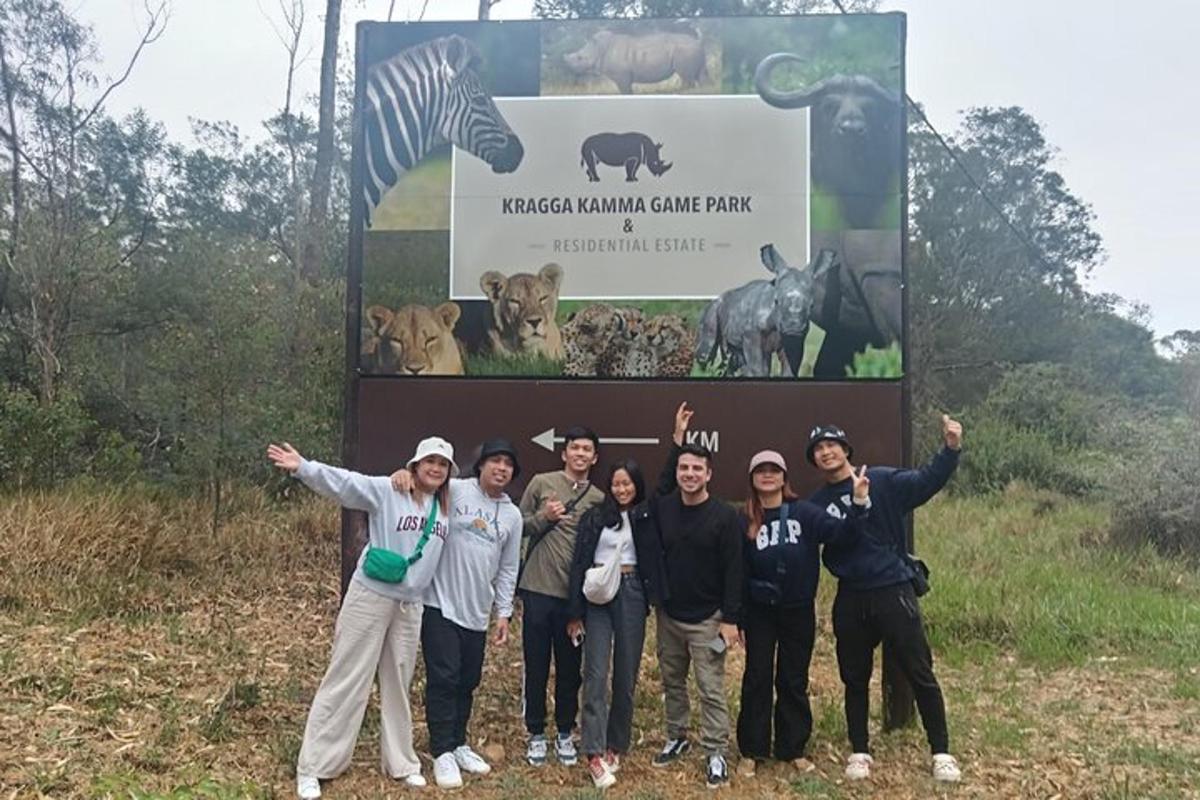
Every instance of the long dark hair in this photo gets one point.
(754, 506)
(610, 509)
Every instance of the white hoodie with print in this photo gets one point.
(395, 522)
(478, 569)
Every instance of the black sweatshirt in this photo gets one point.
(875, 560)
(791, 559)
(702, 553)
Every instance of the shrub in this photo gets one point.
(1155, 500)
(1000, 453)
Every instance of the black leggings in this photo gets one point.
(863, 619)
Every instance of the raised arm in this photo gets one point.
(351, 489)
(916, 486)
(666, 478)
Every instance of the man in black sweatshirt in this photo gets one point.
(876, 601)
(698, 611)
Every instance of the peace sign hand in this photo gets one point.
(862, 485)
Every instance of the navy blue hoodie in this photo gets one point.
(874, 560)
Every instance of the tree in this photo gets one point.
(318, 205)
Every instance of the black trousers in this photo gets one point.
(779, 645)
(861, 620)
(544, 633)
(453, 666)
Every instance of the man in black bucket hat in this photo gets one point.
(878, 586)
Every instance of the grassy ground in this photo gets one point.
(142, 655)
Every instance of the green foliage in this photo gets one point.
(1002, 453)
(1155, 501)
(875, 362)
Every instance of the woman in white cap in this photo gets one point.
(778, 616)
(379, 624)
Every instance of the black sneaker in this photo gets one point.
(672, 750)
(718, 772)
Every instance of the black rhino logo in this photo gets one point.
(629, 150)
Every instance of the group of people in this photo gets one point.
(444, 555)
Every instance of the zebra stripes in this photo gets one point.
(423, 97)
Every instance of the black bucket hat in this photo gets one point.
(496, 447)
(827, 433)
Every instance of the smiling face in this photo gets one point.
(495, 474)
(623, 489)
(579, 456)
(829, 456)
(431, 472)
(692, 473)
(767, 478)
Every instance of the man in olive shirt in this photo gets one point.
(552, 506)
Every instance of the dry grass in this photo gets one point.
(196, 680)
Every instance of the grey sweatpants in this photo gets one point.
(373, 634)
(688, 644)
(617, 629)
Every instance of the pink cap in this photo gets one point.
(767, 457)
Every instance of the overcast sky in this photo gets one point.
(1108, 82)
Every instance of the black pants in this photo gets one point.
(453, 665)
(779, 645)
(861, 620)
(544, 632)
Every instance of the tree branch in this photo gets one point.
(154, 29)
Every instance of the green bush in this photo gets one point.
(1000, 453)
(1155, 500)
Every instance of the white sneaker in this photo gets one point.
(602, 776)
(858, 766)
(416, 780)
(445, 772)
(565, 752)
(535, 752)
(945, 768)
(470, 761)
(307, 787)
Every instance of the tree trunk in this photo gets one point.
(318, 207)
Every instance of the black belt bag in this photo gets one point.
(920, 574)
(770, 592)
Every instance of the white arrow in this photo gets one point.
(547, 439)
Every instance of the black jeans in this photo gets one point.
(779, 645)
(453, 665)
(544, 632)
(861, 620)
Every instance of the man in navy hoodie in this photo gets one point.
(876, 600)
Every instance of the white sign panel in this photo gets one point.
(635, 197)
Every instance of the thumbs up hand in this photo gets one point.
(953, 431)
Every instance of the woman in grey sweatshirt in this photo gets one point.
(379, 624)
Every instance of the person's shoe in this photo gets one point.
(672, 750)
(602, 776)
(445, 772)
(535, 752)
(307, 787)
(747, 767)
(718, 772)
(564, 750)
(858, 766)
(945, 768)
(416, 780)
(802, 764)
(613, 759)
(470, 761)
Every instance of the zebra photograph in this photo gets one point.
(420, 99)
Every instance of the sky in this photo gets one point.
(1109, 85)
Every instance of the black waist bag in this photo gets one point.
(920, 571)
(770, 593)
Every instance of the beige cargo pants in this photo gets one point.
(373, 635)
(684, 644)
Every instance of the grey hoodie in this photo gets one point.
(395, 522)
(478, 569)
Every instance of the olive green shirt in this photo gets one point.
(548, 563)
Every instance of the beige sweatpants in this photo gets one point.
(684, 645)
(373, 634)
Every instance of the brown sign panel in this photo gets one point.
(633, 420)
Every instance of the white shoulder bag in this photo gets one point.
(600, 584)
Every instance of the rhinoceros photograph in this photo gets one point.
(612, 58)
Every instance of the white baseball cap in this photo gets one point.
(435, 446)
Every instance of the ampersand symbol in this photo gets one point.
(628, 226)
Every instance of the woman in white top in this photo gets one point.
(615, 622)
(379, 624)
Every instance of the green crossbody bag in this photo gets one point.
(389, 566)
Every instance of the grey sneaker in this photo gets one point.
(672, 750)
(564, 750)
(718, 771)
(535, 752)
